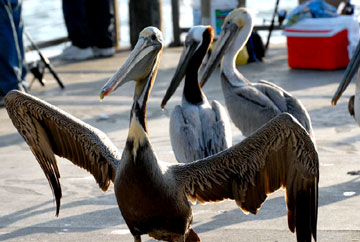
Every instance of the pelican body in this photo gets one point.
(354, 101)
(250, 105)
(154, 196)
(197, 128)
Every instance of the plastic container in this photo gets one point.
(327, 53)
(322, 43)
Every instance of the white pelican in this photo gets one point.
(354, 101)
(153, 196)
(250, 105)
(197, 129)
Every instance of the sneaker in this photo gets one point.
(103, 52)
(75, 53)
(68, 50)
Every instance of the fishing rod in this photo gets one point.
(45, 60)
(272, 24)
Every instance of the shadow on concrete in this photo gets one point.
(276, 207)
(272, 208)
(330, 116)
(85, 222)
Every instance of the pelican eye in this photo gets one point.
(153, 37)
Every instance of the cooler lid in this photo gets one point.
(320, 27)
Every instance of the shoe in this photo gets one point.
(75, 53)
(103, 52)
(68, 50)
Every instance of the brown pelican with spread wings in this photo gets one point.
(154, 196)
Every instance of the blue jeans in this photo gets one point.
(12, 63)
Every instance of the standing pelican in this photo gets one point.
(197, 129)
(250, 105)
(152, 195)
(354, 101)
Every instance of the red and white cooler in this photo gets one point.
(322, 43)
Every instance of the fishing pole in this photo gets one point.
(272, 24)
(45, 60)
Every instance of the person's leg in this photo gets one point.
(20, 27)
(100, 14)
(76, 22)
(75, 16)
(12, 70)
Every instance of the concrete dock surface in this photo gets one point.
(27, 208)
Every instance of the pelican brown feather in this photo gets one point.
(279, 155)
(50, 131)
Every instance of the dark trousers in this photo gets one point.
(12, 64)
(90, 22)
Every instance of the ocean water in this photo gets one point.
(43, 19)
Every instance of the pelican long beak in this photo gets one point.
(222, 44)
(180, 72)
(348, 75)
(135, 67)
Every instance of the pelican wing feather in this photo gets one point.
(50, 131)
(185, 130)
(293, 105)
(281, 154)
(222, 136)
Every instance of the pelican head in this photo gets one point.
(140, 65)
(348, 75)
(197, 40)
(237, 26)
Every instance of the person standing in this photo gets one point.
(12, 63)
(91, 28)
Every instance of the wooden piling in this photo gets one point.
(205, 12)
(241, 3)
(175, 21)
(143, 14)
(117, 24)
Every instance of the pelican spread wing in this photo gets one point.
(280, 154)
(49, 131)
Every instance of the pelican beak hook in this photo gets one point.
(348, 75)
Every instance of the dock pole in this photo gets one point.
(143, 14)
(205, 12)
(176, 25)
(117, 24)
